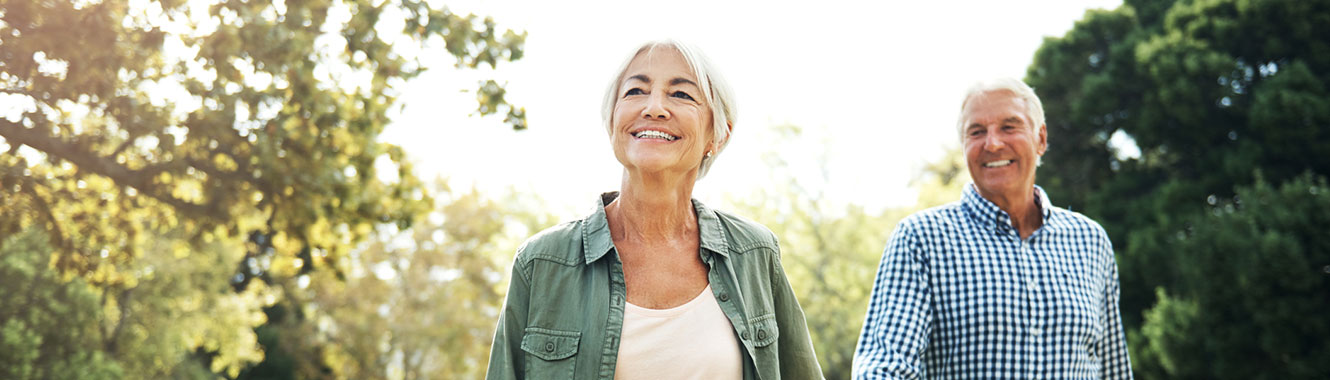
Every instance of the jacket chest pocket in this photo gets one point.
(550, 354)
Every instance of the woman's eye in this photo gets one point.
(634, 91)
(682, 95)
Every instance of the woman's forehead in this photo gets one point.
(662, 61)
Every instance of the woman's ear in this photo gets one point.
(729, 126)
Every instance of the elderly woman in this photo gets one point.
(653, 284)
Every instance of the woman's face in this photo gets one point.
(661, 121)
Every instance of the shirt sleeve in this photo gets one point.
(897, 326)
(797, 358)
(506, 355)
(1111, 349)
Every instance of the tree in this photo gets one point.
(420, 303)
(1210, 92)
(1270, 248)
(174, 304)
(186, 160)
(219, 118)
(48, 325)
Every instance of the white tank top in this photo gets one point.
(690, 341)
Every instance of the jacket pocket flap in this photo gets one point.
(763, 330)
(550, 344)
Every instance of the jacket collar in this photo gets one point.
(596, 239)
(988, 215)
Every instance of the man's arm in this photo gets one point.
(896, 328)
(1112, 347)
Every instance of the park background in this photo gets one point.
(242, 189)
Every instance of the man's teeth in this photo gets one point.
(995, 164)
(654, 135)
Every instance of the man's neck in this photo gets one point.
(1023, 208)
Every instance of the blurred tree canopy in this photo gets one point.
(217, 117)
(178, 178)
(1227, 103)
(414, 304)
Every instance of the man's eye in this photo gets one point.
(682, 95)
(634, 91)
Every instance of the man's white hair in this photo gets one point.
(1033, 107)
(714, 88)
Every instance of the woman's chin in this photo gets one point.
(655, 167)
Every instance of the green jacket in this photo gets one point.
(564, 311)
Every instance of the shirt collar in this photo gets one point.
(987, 214)
(596, 239)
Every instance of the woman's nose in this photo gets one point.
(655, 108)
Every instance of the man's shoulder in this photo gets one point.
(1077, 222)
(561, 243)
(943, 216)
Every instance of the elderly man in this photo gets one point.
(1001, 284)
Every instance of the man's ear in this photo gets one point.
(1043, 139)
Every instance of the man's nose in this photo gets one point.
(993, 142)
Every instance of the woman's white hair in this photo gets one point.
(714, 88)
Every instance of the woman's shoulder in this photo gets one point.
(745, 234)
(560, 243)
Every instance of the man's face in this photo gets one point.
(1002, 147)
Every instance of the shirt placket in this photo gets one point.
(1036, 303)
(729, 299)
(614, 324)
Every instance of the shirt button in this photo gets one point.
(724, 297)
(549, 346)
(761, 334)
(1036, 331)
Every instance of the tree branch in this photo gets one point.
(85, 160)
(45, 209)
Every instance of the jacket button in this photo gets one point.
(549, 346)
(744, 335)
(724, 297)
(761, 334)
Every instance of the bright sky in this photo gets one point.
(875, 85)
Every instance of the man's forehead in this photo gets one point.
(998, 105)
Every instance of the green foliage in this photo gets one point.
(1270, 248)
(149, 326)
(1210, 92)
(414, 304)
(48, 324)
(183, 162)
(218, 118)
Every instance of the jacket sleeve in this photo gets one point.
(797, 358)
(507, 360)
(897, 325)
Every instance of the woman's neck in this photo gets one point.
(653, 209)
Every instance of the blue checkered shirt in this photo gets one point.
(959, 295)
